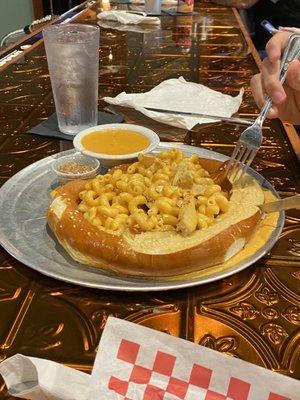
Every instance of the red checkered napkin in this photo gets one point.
(138, 363)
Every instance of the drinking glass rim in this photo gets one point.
(87, 31)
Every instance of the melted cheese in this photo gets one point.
(115, 142)
(242, 205)
(256, 243)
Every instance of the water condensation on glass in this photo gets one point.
(73, 60)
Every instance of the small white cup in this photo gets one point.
(110, 160)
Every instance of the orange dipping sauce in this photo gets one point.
(115, 142)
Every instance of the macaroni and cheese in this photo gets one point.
(169, 192)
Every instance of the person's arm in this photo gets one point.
(241, 4)
(286, 98)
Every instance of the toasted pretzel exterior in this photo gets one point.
(153, 254)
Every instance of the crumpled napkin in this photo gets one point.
(125, 17)
(38, 379)
(128, 28)
(180, 95)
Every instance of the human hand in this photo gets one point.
(286, 98)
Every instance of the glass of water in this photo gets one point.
(73, 59)
(153, 7)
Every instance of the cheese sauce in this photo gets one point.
(262, 234)
(115, 142)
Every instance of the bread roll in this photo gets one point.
(155, 253)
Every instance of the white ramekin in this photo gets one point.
(110, 160)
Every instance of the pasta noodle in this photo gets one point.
(166, 192)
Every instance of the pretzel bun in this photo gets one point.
(155, 253)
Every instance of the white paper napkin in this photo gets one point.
(126, 18)
(134, 362)
(141, 28)
(38, 379)
(180, 95)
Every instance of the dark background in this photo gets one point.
(59, 6)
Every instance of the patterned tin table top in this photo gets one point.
(253, 315)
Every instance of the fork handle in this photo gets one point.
(291, 53)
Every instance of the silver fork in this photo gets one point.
(251, 138)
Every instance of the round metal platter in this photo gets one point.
(24, 200)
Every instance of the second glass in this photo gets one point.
(153, 7)
(73, 60)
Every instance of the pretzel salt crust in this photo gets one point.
(160, 216)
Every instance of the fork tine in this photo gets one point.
(236, 151)
(238, 169)
(251, 157)
(235, 157)
(234, 165)
(232, 160)
(235, 173)
(245, 155)
(245, 165)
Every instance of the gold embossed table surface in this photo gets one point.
(253, 315)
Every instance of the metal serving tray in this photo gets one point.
(24, 200)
